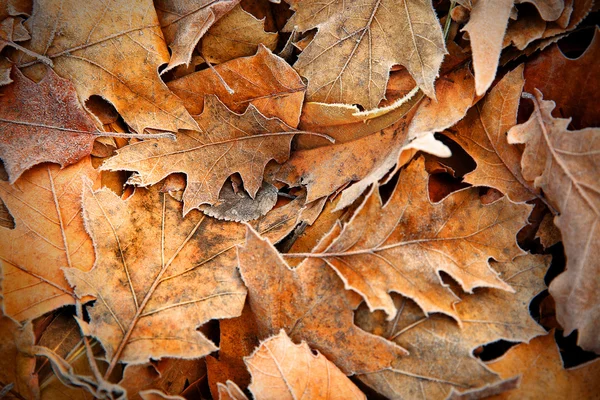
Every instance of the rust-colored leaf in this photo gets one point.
(49, 235)
(356, 45)
(282, 369)
(104, 49)
(17, 362)
(227, 143)
(565, 165)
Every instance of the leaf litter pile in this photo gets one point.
(306, 199)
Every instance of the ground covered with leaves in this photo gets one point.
(301, 199)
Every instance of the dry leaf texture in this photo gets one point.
(17, 362)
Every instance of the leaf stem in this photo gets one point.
(39, 57)
(88, 348)
(448, 19)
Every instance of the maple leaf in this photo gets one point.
(357, 43)
(550, 71)
(227, 143)
(487, 27)
(441, 357)
(158, 275)
(401, 246)
(310, 303)
(282, 369)
(49, 234)
(112, 50)
(264, 80)
(542, 372)
(482, 134)
(237, 34)
(184, 22)
(18, 378)
(565, 165)
(42, 122)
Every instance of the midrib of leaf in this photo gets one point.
(187, 14)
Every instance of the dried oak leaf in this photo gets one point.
(159, 275)
(487, 26)
(482, 134)
(566, 165)
(310, 303)
(233, 206)
(441, 358)
(282, 369)
(42, 122)
(17, 361)
(264, 80)
(184, 22)
(403, 245)
(230, 391)
(543, 375)
(237, 34)
(111, 50)
(226, 143)
(357, 44)
(550, 72)
(49, 234)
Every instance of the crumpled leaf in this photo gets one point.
(42, 122)
(263, 80)
(356, 45)
(104, 50)
(12, 15)
(482, 134)
(441, 357)
(551, 73)
(227, 143)
(49, 234)
(543, 375)
(310, 304)
(282, 369)
(237, 34)
(487, 27)
(233, 206)
(184, 22)
(565, 165)
(159, 275)
(17, 361)
(403, 245)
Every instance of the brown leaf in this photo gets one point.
(239, 206)
(441, 357)
(565, 165)
(105, 50)
(237, 34)
(184, 22)
(267, 82)
(42, 122)
(551, 72)
(227, 143)
(282, 369)
(310, 303)
(543, 375)
(403, 245)
(482, 134)
(49, 235)
(548, 233)
(153, 293)
(230, 391)
(154, 394)
(17, 362)
(356, 45)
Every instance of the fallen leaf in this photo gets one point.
(549, 72)
(482, 134)
(239, 206)
(227, 143)
(237, 34)
(310, 303)
(543, 375)
(230, 391)
(565, 165)
(49, 234)
(441, 357)
(356, 45)
(42, 122)
(267, 82)
(17, 362)
(548, 233)
(184, 22)
(282, 369)
(113, 52)
(154, 394)
(403, 245)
